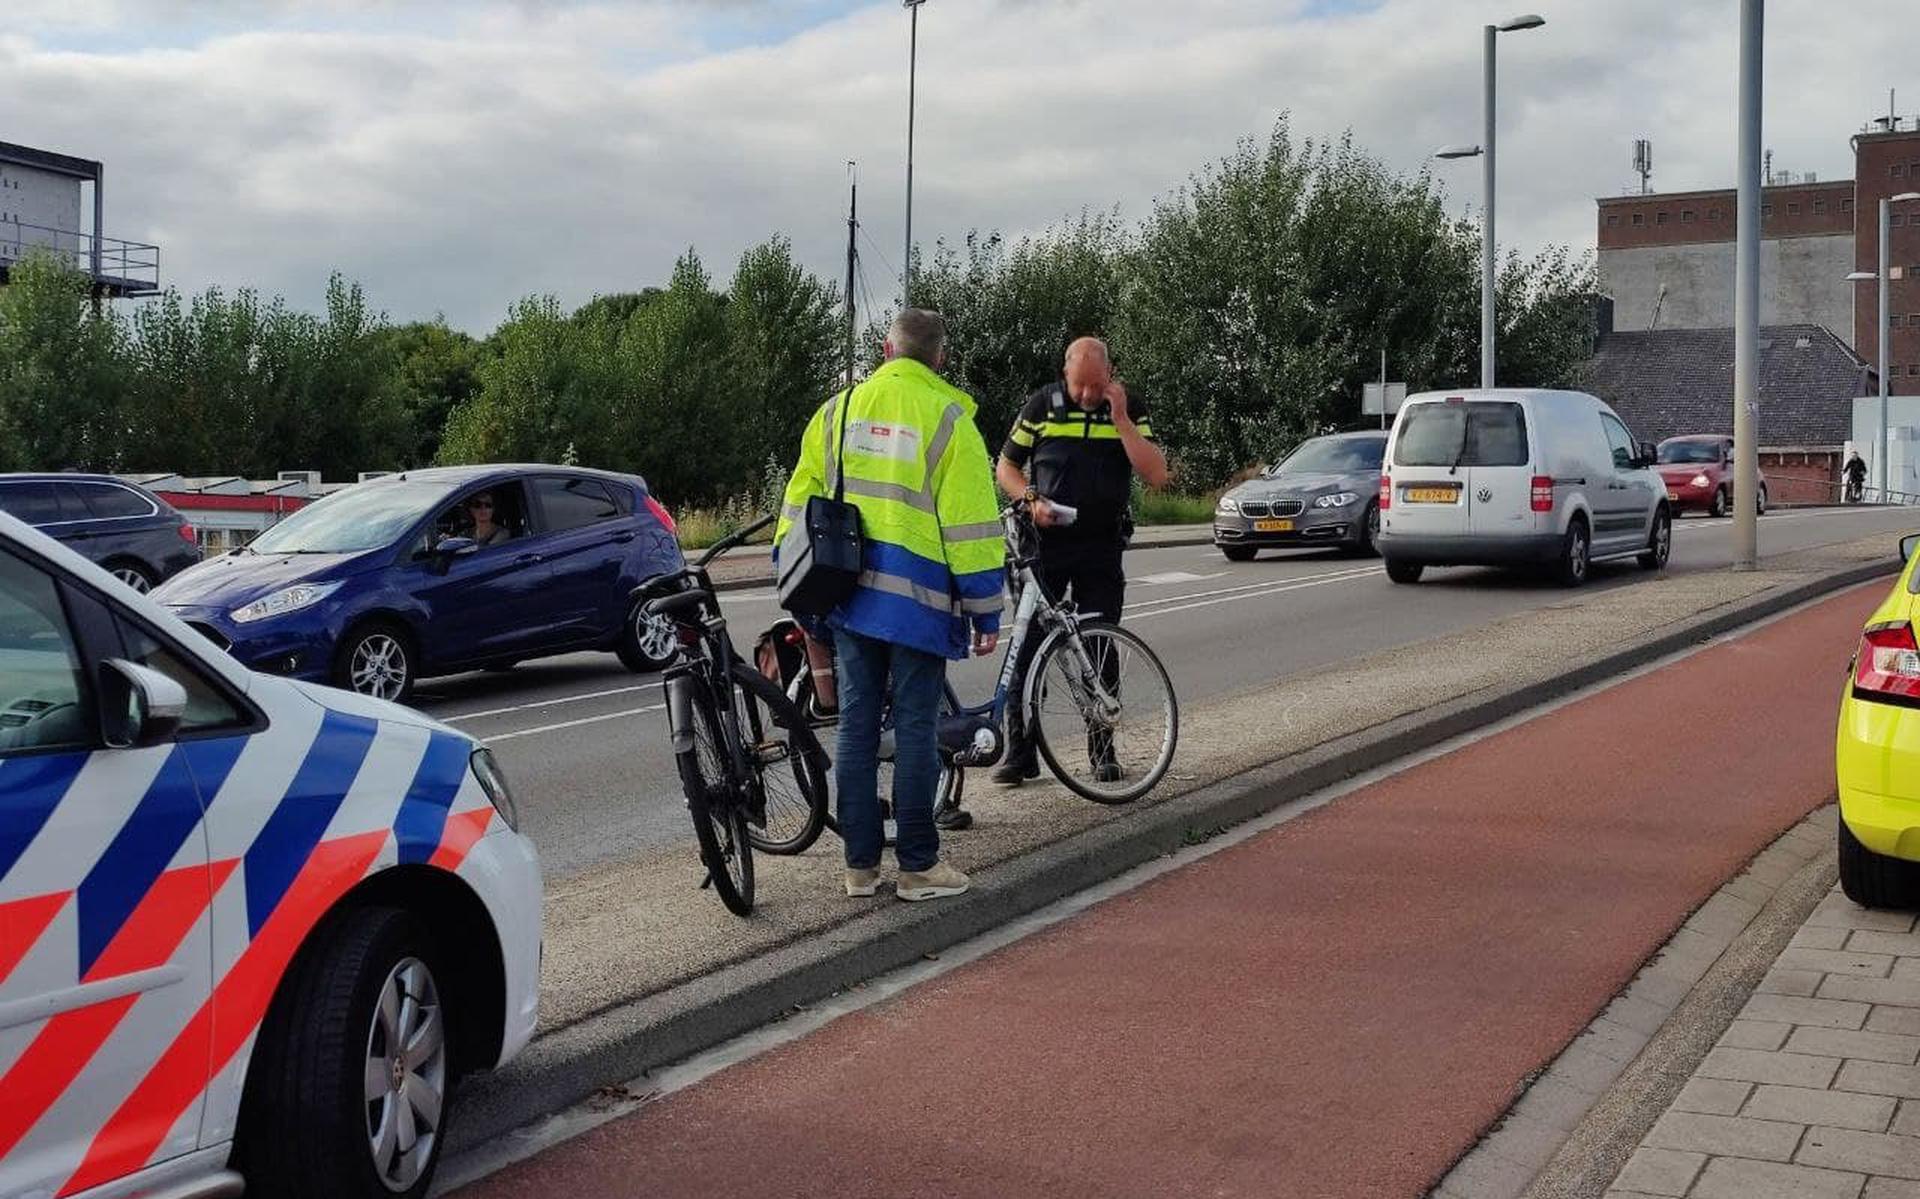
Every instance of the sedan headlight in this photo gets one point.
(494, 783)
(1337, 500)
(1228, 504)
(289, 599)
(1699, 480)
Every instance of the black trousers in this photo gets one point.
(1090, 575)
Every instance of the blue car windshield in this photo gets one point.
(1335, 456)
(365, 517)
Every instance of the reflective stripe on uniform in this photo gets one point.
(986, 528)
(991, 604)
(873, 489)
(895, 585)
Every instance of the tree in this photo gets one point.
(439, 370)
(63, 371)
(783, 336)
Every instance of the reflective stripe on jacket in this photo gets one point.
(934, 552)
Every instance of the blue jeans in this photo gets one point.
(870, 674)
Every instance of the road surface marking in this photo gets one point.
(1262, 587)
(1175, 576)
(1272, 589)
(543, 703)
(572, 724)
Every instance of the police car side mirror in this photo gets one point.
(1907, 544)
(138, 705)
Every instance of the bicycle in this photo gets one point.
(754, 774)
(1073, 693)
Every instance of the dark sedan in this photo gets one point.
(1325, 493)
(130, 531)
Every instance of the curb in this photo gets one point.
(757, 582)
(622, 1043)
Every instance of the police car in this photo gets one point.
(251, 929)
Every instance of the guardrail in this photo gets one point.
(130, 267)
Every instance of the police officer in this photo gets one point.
(1077, 443)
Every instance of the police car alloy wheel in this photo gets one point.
(406, 1074)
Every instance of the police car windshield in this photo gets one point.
(1690, 451)
(1335, 456)
(365, 517)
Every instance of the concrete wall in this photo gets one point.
(1802, 280)
(34, 197)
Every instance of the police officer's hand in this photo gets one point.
(1041, 509)
(1117, 403)
(985, 643)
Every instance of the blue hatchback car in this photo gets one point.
(436, 571)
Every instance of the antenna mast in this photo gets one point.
(853, 255)
(1643, 163)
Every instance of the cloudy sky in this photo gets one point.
(456, 154)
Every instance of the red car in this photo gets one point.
(1698, 472)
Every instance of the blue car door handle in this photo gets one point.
(527, 559)
(623, 538)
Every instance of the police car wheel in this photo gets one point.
(648, 643)
(348, 1092)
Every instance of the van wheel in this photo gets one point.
(350, 1086)
(1239, 553)
(1404, 572)
(1875, 880)
(1720, 503)
(1659, 543)
(1575, 555)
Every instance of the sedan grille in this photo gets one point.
(1254, 507)
(1259, 508)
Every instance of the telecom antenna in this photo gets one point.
(1643, 164)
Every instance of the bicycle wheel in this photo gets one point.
(719, 819)
(1110, 750)
(791, 767)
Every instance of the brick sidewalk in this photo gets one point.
(1813, 1090)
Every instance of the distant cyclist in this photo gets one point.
(1856, 475)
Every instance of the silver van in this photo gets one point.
(1518, 477)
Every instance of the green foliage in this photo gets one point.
(63, 379)
(1173, 508)
(439, 370)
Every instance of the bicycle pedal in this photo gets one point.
(706, 881)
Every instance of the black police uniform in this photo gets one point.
(1074, 456)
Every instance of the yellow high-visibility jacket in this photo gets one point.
(934, 552)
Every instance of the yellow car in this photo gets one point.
(1877, 753)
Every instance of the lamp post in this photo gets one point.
(1484, 151)
(1882, 448)
(1746, 294)
(913, 69)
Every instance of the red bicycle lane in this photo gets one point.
(1337, 1006)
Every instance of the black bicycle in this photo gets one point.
(753, 771)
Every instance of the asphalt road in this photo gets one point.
(584, 742)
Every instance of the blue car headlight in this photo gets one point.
(1338, 500)
(287, 599)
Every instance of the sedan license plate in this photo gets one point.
(1273, 526)
(1432, 495)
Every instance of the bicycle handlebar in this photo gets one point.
(735, 539)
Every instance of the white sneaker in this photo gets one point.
(936, 883)
(862, 884)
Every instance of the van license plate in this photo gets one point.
(1273, 526)
(1432, 495)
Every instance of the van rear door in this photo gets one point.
(1429, 496)
(1499, 465)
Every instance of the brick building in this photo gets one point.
(1667, 259)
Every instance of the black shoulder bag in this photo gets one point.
(820, 559)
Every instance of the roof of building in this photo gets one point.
(1669, 382)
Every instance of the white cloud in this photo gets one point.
(454, 156)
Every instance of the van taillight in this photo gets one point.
(660, 514)
(1888, 662)
(1386, 492)
(1542, 493)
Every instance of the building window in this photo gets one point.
(1914, 369)
(1896, 219)
(1893, 321)
(1612, 220)
(1846, 206)
(1639, 219)
(1793, 208)
(1686, 216)
(1713, 214)
(1660, 218)
(1899, 170)
(1820, 206)
(1766, 210)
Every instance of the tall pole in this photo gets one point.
(1881, 449)
(1486, 244)
(1746, 298)
(913, 71)
(853, 227)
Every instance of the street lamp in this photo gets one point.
(913, 67)
(1883, 449)
(1484, 151)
